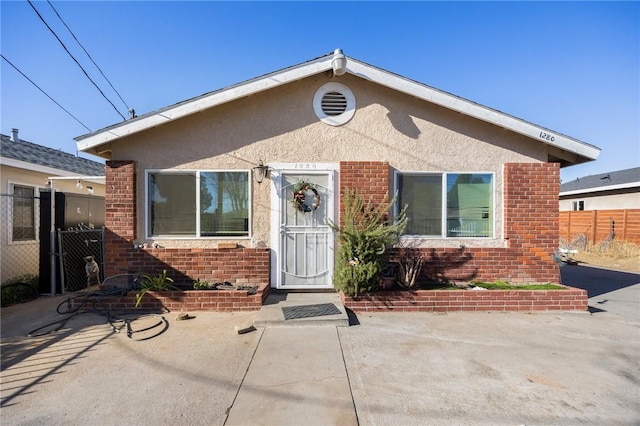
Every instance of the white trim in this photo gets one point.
(354, 67)
(25, 165)
(195, 105)
(443, 213)
(36, 217)
(196, 173)
(277, 171)
(601, 188)
(469, 108)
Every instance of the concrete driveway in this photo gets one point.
(396, 368)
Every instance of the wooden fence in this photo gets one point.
(597, 225)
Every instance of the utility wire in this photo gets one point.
(45, 93)
(85, 51)
(74, 59)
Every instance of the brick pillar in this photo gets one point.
(120, 214)
(532, 218)
(370, 178)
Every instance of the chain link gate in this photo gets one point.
(19, 239)
(75, 245)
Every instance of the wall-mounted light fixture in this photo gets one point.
(79, 184)
(90, 189)
(260, 172)
(339, 62)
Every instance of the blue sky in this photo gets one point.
(573, 67)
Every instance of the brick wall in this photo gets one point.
(370, 178)
(571, 299)
(530, 225)
(241, 265)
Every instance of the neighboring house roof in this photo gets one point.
(563, 148)
(28, 155)
(622, 179)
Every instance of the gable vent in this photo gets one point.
(334, 103)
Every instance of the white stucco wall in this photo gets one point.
(280, 126)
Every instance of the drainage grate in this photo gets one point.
(307, 311)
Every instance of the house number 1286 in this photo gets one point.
(547, 137)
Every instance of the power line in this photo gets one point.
(85, 51)
(74, 59)
(45, 93)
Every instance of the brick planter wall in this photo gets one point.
(572, 299)
(191, 300)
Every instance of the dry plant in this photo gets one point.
(615, 248)
(410, 262)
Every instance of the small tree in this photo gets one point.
(363, 238)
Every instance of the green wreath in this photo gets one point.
(299, 197)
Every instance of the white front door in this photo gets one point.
(303, 246)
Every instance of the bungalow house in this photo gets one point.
(26, 170)
(605, 191)
(238, 184)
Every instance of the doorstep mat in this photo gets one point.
(308, 311)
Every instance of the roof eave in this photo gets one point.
(627, 185)
(91, 141)
(583, 151)
(573, 150)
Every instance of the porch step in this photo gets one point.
(319, 305)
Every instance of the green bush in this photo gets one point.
(19, 290)
(365, 234)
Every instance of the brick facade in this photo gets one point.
(530, 225)
(240, 265)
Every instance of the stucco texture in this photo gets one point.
(280, 126)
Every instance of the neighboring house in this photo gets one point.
(606, 191)
(189, 182)
(25, 171)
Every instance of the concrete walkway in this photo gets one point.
(387, 368)
(297, 376)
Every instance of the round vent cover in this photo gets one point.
(334, 104)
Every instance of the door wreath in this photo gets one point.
(300, 199)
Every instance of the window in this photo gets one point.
(198, 204)
(447, 204)
(23, 224)
(578, 205)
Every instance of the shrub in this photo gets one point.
(363, 238)
(19, 290)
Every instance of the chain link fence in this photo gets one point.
(75, 246)
(19, 234)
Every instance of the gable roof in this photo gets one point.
(24, 154)
(621, 179)
(565, 149)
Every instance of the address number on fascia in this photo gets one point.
(547, 137)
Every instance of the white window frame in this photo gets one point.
(36, 221)
(575, 205)
(443, 213)
(197, 173)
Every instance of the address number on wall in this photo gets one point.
(547, 137)
(305, 166)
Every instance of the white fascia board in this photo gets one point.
(49, 171)
(601, 189)
(471, 109)
(163, 116)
